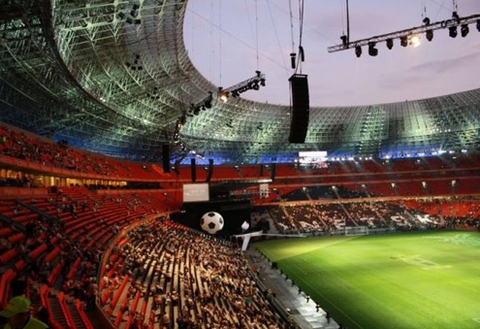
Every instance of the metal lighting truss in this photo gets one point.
(445, 24)
(114, 77)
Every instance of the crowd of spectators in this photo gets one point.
(334, 217)
(57, 241)
(187, 278)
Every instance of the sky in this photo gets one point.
(228, 40)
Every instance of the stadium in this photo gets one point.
(137, 193)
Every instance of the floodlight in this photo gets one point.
(414, 40)
(404, 41)
(372, 51)
(464, 29)
(223, 97)
(429, 35)
(358, 51)
(452, 31)
(389, 43)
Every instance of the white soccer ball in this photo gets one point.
(211, 222)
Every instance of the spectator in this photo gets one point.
(18, 315)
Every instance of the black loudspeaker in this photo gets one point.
(193, 167)
(273, 171)
(166, 158)
(300, 108)
(210, 170)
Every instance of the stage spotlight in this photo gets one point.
(452, 31)
(404, 41)
(389, 43)
(429, 35)
(464, 29)
(223, 97)
(372, 51)
(414, 40)
(358, 51)
(478, 25)
(426, 21)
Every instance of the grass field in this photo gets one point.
(409, 280)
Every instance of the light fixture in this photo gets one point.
(478, 25)
(429, 35)
(404, 41)
(389, 43)
(414, 40)
(372, 51)
(223, 97)
(464, 29)
(455, 16)
(358, 51)
(452, 31)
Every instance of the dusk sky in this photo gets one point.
(221, 38)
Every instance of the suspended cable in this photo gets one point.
(250, 23)
(220, 41)
(256, 32)
(291, 25)
(301, 53)
(424, 9)
(440, 7)
(342, 11)
(212, 47)
(323, 35)
(249, 46)
(276, 36)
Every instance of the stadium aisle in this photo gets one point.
(305, 313)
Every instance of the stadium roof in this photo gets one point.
(114, 77)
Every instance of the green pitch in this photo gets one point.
(401, 281)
